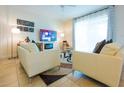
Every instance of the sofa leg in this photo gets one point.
(73, 72)
(30, 80)
(58, 67)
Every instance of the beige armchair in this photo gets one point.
(103, 67)
(34, 61)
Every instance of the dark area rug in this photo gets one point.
(48, 79)
(55, 74)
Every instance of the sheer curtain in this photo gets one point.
(5, 36)
(90, 29)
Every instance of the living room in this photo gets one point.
(60, 22)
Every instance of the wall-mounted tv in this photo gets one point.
(48, 35)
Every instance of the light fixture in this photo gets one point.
(15, 30)
(62, 35)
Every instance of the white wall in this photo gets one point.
(119, 24)
(40, 21)
(68, 30)
(9, 14)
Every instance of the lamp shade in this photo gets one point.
(15, 30)
(62, 35)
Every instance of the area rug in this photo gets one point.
(55, 74)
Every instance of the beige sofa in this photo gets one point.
(103, 67)
(34, 61)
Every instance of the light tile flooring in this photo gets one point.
(13, 75)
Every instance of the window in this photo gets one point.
(89, 30)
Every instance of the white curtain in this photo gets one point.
(111, 23)
(90, 29)
(5, 37)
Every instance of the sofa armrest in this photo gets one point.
(101, 67)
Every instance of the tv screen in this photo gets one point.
(48, 35)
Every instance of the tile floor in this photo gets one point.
(13, 75)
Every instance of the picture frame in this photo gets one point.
(26, 26)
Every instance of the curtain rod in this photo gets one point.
(92, 13)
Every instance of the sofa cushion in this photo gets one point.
(33, 47)
(25, 46)
(110, 49)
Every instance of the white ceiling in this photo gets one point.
(58, 12)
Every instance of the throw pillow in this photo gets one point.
(40, 46)
(110, 49)
(99, 46)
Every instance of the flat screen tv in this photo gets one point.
(48, 35)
